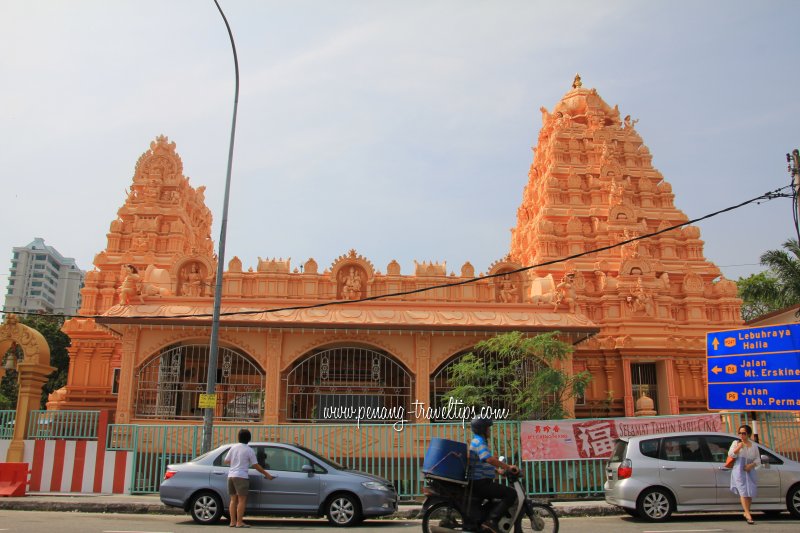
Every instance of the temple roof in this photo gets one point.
(395, 315)
(581, 102)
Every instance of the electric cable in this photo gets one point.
(770, 195)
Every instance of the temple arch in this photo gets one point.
(169, 384)
(335, 382)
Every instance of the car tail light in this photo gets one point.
(625, 469)
(168, 474)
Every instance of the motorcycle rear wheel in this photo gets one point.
(540, 518)
(442, 515)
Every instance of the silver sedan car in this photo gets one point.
(651, 476)
(307, 484)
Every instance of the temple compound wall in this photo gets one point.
(637, 313)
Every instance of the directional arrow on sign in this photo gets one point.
(716, 370)
(715, 343)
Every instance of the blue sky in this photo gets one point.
(401, 129)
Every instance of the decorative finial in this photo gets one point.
(576, 84)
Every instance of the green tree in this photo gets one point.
(50, 328)
(777, 287)
(519, 373)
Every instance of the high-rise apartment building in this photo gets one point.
(42, 280)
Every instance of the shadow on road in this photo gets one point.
(304, 523)
(718, 517)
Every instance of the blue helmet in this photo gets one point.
(480, 425)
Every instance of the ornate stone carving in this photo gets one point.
(310, 267)
(235, 265)
(193, 279)
(130, 287)
(429, 268)
(693, 284)
(351, 283)
(274, 266)
(640, 301)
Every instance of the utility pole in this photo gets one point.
(794, 171)
(211, 385)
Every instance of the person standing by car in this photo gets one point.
(743, 478)
(482, 471)
(241, 457)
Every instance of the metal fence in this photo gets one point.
(386, 450)
(56, 425)
(53, 425)
(7, 418)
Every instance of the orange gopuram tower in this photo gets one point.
(164, 224)
(592, 184)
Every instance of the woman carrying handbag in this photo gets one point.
(747, 457)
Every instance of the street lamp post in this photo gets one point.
(211, 385)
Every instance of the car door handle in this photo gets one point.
(219, 473)
(668, 468)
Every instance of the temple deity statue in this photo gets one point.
(508, 291)
(351, 285)
(565, 292)
(130, 285)
(192, 281)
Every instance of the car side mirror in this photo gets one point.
(308, 469)
(765, 461)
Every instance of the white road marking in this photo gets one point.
(125, 531)
(679, 530)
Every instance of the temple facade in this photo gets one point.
(637, 313)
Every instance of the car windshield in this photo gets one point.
(330, 462)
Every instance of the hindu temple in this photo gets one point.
(636, 313)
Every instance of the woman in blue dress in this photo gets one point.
(743, 476)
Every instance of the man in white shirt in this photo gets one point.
(241, 457)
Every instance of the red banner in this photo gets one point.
(557, 440)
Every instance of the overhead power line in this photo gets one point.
(771, 195)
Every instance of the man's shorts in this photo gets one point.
(238, 486)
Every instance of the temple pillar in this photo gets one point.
(628, 387)
(672, 395)
(272, 396)
(130, 341)
(422, 381)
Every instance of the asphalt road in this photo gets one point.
(61, 522)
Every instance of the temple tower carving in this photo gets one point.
(592, 184)
(158, 246)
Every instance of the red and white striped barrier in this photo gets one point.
(75, 466)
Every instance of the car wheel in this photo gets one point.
(343, 510)
(655, 505)
(206, 508)
(793, 501)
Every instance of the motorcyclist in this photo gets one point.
(482, 472)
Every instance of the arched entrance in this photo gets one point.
(335, 383)
(168, 386)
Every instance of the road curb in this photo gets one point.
(404, 512)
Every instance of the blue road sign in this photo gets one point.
(755, 368)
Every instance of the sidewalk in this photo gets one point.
(150, 504)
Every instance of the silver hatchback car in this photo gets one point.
(651, 476)
(307, 484)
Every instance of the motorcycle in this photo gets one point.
(450, 507)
